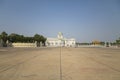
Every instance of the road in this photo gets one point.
(59, 64)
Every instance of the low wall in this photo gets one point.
(24, 44)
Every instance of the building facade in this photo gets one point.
(60, 41)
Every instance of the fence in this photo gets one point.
(24, 45)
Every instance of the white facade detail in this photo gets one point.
(60, 41)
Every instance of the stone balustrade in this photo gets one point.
(24, 44)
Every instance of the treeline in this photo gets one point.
(14, 38)
(115, 43)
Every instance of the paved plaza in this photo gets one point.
(59, 63)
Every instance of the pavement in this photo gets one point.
(59, 63)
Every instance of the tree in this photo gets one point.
(43, 39)
(28, 39)
(4, 37)
(118, 42)
(0, 37)
(19, 38)
(107, 44)
(102, 43)
(13, 37)
(39, 38)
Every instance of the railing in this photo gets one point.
(24, 44)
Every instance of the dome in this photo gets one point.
(60, 35)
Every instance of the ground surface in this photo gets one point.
(45, 64)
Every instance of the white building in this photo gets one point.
(60, 41)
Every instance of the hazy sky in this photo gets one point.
(85, 20)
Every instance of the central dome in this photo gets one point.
(60, 35)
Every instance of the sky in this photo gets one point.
(84, 20)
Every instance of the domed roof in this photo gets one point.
(60, 35)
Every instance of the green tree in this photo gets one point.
(118, 42)
(0, 37)
(43, 40)
(4, 37)
(107, 44)
(19, 38)
(13, 37)
(39, 38)
(102, 43)
(28, 39)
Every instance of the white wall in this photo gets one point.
(53, 43)
(24, 44)
(70, 43)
